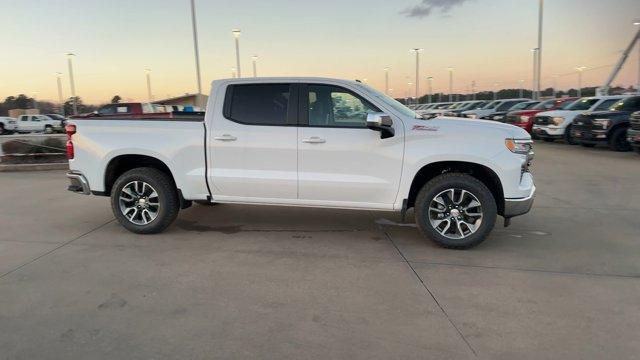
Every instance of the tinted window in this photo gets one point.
(335, 106)
(583, 104)
(107, 110)
(507, 105)
(259, 104)
(606, 104)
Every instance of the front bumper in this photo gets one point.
(78, 183)
(548, 132)
(520, 206)
(590, 136)
(633, 137)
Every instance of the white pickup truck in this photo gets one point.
(307, 142)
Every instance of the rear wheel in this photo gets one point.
(618, 141)
(2, 130)
(549, 140)
(456, 211)
(48, 129)
(145, 200)
(587, 145)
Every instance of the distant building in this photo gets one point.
(197, 100)
(15, 113)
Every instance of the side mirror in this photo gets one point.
(381, 122)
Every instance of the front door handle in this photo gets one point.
(225, 137)
(314, 140)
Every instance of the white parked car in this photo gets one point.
(492, 107)
(39, 123)
(556, 124)
(7, 125)
(307, 142)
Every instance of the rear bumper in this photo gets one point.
(520, 206)
(78, 183)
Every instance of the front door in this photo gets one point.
(254, 144)
(341, 162)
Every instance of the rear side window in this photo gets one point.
(606, 104)
(258, 104)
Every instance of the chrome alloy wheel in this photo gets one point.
(139, 202)
(455, 213)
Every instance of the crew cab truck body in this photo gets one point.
(606, 127)
(307, 142)
(39, 123)
(557, 124)
(524, 117)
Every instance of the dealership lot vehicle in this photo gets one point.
(606, 127)
(469, 105)
(39, 123)
(307, 142)
(501, 116)
(524, 117)
(7, 125)
(493, 107)
(633, 133)
(556, 124)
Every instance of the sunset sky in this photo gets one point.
(488, 41)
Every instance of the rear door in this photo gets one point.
(341, 161)
(254, 143)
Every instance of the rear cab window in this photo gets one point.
(260, 104)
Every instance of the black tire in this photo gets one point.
(568, 138)
(169, 204)
(549, 140)
(2, 131)
(618, 140)
(48, 129)
(458, 181)
(205, 203)
(587, 145)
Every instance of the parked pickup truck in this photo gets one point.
(307, 142)
(606, 127)
(633, 133)
(7, 125)
(39, 123)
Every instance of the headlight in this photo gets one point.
(557, 120)
(498, 117)
(519, 146)
(604, 123)
(524, 119)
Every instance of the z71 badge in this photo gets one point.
(424, 128)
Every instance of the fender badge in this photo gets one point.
(424, 128)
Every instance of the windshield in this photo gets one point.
(492, 104)
(395, 104)
(525, 105)
(583, 104)
(630, 103)
(477, 105)
(507, 105)
(567, 104)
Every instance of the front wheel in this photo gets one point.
(568, 138)
(549, 140)
(48, 129)
(456, 211)
(587, 145)
(145, 200)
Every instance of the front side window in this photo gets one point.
(507, 105)
(628, 104)
(259, 104)
(606, 104)
(106, 110)
(332, 106)
(583, 104)
(122, 109)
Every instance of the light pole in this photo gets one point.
(254, 59)
(147, 73)
(473, 89)
(555, 86)
(417, 51)
(72, 82)
(521, 89)
(539, 57)
(535, 71)
(495, 91)
(450, 83)
(386, 81)
(34, 101)
(430, 83)
(580, 70)
(236, 35)
(195, 45)
(409, 91)
(60, 99)
(233, 72)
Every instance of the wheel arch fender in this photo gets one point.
(117, 163)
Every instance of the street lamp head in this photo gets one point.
(58, 74)
(429, 78)
(450, 68)
(636, 22)
(254, 57)
(236, 33)
(70, 55)
(147, 71)
(581, 68)
(535, 49)
(386, 68)
(416, 50)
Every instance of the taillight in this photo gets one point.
(70, 129)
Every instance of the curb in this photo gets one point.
(34, 167)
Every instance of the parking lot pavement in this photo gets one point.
(269, 282)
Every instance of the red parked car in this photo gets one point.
(524, 118)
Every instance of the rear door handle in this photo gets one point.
(314, 140)
(225, 137)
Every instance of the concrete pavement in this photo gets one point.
(269, 282)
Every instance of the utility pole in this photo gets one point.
(236, 35)
(72, 82)
(417, 51)
(195, 44)
(430, 83)
(254, 58)
(450, 83)
(535, 72)
(60, 98)
(539, 78)
(386, 81)
(580, 70)
(521, 89)
(148, 75)
(473, 89)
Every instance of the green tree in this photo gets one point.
(116, 99)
